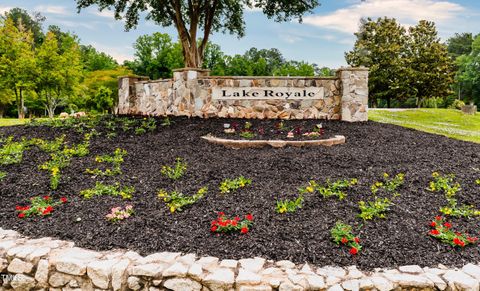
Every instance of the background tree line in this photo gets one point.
(412, 68)
(44, 71)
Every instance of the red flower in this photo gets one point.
(458, 242)
(344, 240)
(214, 228)
(214, 222)
(353, 251)
(438, 218)
(46, 197)
(234, 223)
(26, 208)
(244, 230)
(18, 207)
(221, 214)
(63, 200)
(458, 233)
(47, 210)
(21, 215)
(237, 218)
(447, 224)
(249, 217)
(472, 239)
(357, 240)
(433, 224)
(434, 232)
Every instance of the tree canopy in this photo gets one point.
(189, 17)
(404, 66)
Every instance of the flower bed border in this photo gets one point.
(48, 263)
(241, 144)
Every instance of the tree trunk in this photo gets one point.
(20, 103)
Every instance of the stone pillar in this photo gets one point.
(354, 88)
(186, 90)
(127, 94)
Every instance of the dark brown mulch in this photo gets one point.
(370, 150)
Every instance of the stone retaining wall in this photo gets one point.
(192, 92)
(46, 263)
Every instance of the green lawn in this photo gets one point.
(447, 122)
(12, 121)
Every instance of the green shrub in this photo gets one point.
(289, 206)
(228, 185)
(12, 152)
(457, 104)
(176, 201)
(175, 172)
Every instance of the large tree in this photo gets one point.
(59, 70)
(460, 44)
(192, 16)
(413, 65)
(17, 61)
(156, 55)
(30, 22)
(468, 75)
(431, 68)
(380, 46)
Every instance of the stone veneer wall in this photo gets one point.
(46, 263)
(189, 93)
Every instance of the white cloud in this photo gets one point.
(52, 9)
(120, 54)
(405, 11)
(104, 13)
(4, 9)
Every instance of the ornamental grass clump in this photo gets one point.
(175, 172)
(176, 201)
(111, 190)
(117, 213)
(116, 160)
(228, 185)
(342, 235)
(41, 206)
(228, 225)
(450, 188)
(289, 206)
(442, 231)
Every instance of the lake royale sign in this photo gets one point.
(259, 93)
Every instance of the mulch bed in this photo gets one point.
(264, 129)
(371, 149)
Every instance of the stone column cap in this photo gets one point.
(191, 69)
(361, 68)
(134, 76)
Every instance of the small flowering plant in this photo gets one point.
(442, 231)
(117, 213)
(226, 225)
(41, 206)
(342, 234)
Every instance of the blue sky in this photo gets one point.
(322, 38)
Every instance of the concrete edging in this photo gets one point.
(241, 144)
(27, 264)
